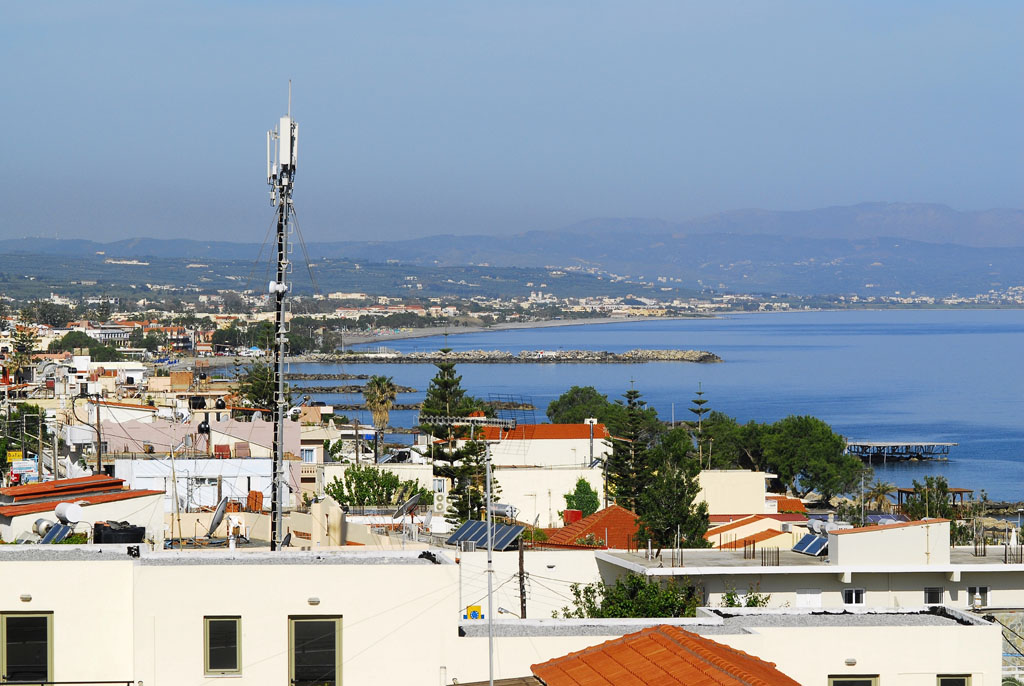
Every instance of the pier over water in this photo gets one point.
(874, 452)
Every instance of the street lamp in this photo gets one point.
(501, 424)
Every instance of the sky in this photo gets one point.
(419, 118)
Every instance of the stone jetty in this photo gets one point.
(529, 357)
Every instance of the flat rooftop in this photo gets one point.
(707, 560)
(720, 621)
(119, 553)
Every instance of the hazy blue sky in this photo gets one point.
(148, 119)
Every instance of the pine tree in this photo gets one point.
(627, 467)
(445, 397)
(667, 506)
(698, 409)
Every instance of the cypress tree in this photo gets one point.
(628, 469)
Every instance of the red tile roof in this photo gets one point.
(882, 527)
(787, 504)
(615, 522)
(753, 538)
(779, 517)
(545, 432)
(736, 524)
(660, 656)
(50, 489)
(85, 499)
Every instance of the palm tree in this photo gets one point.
(878, 495)
(379, 394)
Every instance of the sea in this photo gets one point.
(888, 375)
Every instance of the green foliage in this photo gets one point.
(583, 498)
(52, 314)
(152, 341)
(12, 434)
(256, 386)
(581, 402)
(379, 395)
(633, 596)
(77, 339)
(469, 483)
(734, 445)
(807, 456)
(667, 503)
(365, 485)
(24, 342)
(752, 598)
(929, 499)
(628, 470)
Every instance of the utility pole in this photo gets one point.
(281, 160)
(99, 440)
(522, 579)
(501, 424)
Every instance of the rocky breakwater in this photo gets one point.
(532, 357)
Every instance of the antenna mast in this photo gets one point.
(281, 157)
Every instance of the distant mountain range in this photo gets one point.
(867, 248)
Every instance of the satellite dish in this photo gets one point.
(536, 521)
(218, 516)
(68, 513)
(406, 507)
(287, 540)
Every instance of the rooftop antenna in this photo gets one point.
(281, 159)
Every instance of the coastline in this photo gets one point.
(426, 332)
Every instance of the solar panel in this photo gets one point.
(56, 534)
(476, 531)
(817, 547)
(811, 545)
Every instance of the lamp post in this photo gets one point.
(500, 424)
(591, 421)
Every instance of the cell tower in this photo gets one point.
(281, 157)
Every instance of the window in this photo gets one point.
(314, 651)
(933, 595)
(28, 647)
(440, 485)
(853, 596)
(222, 645)
(954, 680)
(308, 454)
(977, 596)
(858, 680)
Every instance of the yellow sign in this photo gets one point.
(473, 612)
(13, 455)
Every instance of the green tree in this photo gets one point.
(877, 496)
(732, 445)
(364, 485)
(24, 342)
(580, 402)
(809, 457)
(628, 469)
(699, 411)
(752, 598)
(667, 503)
(231, 336)
(52, 314)
(32, 416)
(633, 595)
(379, 394)
(256, 386)
(930, 499)
(77, 339)
(584, 498)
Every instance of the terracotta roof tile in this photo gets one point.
(615, 522)
(85, 499)
(545, 432)
(96, 482)
(787, 504)
(759, 537)
(882, 527)
(660, 656)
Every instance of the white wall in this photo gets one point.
(918, 544)
(541, 491)
(197, 478)
(732, 491)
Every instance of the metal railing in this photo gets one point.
(770, 557)
(23, 682)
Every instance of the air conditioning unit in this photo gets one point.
(787, 527)
(468, 546)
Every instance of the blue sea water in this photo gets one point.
(939, 375)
